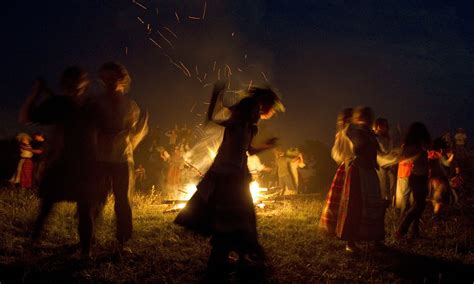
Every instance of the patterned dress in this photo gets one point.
(362, 209)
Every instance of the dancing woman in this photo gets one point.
(222, 207)
(415, 150)
(362, 209)
(342, 153)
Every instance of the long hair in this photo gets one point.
(73, 78)
(417, 135)
(363, 114)
(344, 118)
(115, 75)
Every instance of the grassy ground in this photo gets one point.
(164, 253)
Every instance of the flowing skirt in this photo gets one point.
(329, 215)
(362, 209)
(26, 174)
(222, 205)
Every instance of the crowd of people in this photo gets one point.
(374, 174)
(162, 167)
(90, 154)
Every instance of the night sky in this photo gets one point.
(409, 60)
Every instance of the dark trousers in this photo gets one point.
(115, 177)
(87, 213)
(419, 188)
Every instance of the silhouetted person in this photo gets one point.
(222, 205)
(69, 169)
(415, 147)
(38, 145)
(119, 130)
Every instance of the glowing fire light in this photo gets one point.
(212, 153)
(256, 192)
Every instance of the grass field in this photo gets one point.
(164, 253)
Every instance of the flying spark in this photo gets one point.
(171, 32)
(154, 42)
(139, 4)
(204, 10)
(185, 68)
(169, 42)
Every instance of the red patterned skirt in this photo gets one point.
(26, 174)
(362, 209)
(329, 216)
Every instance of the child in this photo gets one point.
(23, 176)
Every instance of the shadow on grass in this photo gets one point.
(425, 269)
(61, 264)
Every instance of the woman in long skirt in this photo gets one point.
(222, 207)
(362, 209)
(341, 152)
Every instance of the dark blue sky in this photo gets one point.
(409, 60)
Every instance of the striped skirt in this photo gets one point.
(329, 215)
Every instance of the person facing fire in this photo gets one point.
(222, 206)
(285, 180)
(120, 128)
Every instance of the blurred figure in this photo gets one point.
(69, 163)
(38, 161)
(140, 178)
(417, 142)
(23, 176)
(362, 209)
(120, 128)
(296, 163)
(439, 166)
(447, 137)
(173, 176)
(460, 149)
(172, 137)
(342, 153)
(386, 173)
(457, 183)
(285, 179)
(222, 205)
